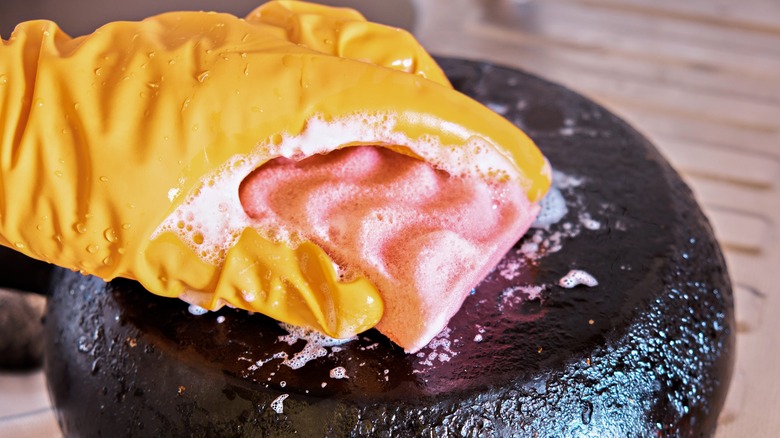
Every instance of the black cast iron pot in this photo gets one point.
(647, 352)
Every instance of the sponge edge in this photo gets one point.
(423, 237)
(449, 267)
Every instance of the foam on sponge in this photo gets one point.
(423, 237)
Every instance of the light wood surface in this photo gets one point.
(700, 78)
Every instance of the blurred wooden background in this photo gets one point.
(700, 78)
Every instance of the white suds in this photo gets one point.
(220, 319)
(588, 222)
(515, 295)
(197, 310)
(510, 269)
(498, 108)
(532, 291)
(338, 373)
(314, 348)
(440, 350)
(555, 224)
(277, 404)
(173, 193)
(577, 277)
(565, 181)
(211, 218)
(552, 209)
(260, 363)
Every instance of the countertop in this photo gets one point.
(700, 78)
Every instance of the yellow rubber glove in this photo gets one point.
(104, 138)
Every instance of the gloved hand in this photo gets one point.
(104, 138)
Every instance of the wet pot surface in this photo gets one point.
(646, 352)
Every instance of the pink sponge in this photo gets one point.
(423, 237)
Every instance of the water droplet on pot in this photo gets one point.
(84, 345)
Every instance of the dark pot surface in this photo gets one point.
(647, 352)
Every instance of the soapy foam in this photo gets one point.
(514, 296)
(551, 230)
(211, 217)
(552, 209)
(196, 310)
(439, 350)
(545, 241)
(315, 346)
(278, 404)
(444, 346)
(313, 349)
(338, 373)
(411, 229)
(577, 277)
